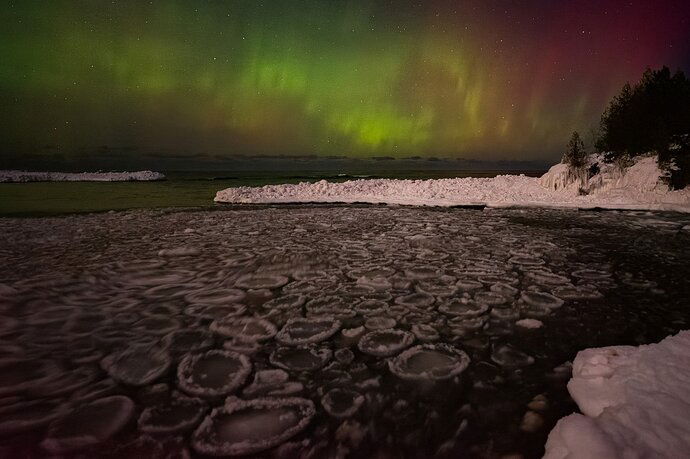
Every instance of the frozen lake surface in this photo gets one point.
(319, 331)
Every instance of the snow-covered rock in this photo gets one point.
(642, 176)
(15, 176)
(636, 187)
(635, 403)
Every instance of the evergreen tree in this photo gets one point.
(647, 116)
(652, 115)
(575, 155)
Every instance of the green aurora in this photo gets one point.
(355, 78)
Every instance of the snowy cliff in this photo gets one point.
(635, 403)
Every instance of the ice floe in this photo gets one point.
(464, 308)
(416, 300)
(379, 323)
(288, 302)
(244, 427)
(213, 373)
(541, 300)
(577, 292)
(529, 323)
(271, 382)
(88, 425)
(23, 416)
(188, 340)
(490, 298)
(425, 333)
(261, 281)
(181, 414)
(385, 343)
(342, 403)
(300, 330)
(137, 366)
(244, 328)
(216, 296)
(510, 357)
(429, 362)
(468, 285)
(301, 358)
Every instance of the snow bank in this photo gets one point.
(630, 189)
(635, 400)
(13, 176)
(642, 176)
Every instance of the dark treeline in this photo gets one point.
(653, 115)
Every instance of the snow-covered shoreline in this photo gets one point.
(614, 190)
(16, 176)
(635, 403)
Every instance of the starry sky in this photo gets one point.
(367, 78)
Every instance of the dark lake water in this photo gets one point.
(181, 189)
(318, 331)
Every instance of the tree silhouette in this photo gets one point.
(575, 155)
(652, 115)
(647, 116)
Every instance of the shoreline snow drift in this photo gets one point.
(637, 187)
(635, 403)
(15, 176)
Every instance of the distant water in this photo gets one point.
(181, 189)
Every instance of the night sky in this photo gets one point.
(474, 79)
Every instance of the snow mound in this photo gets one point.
(635, 403)
(14, 176)
(636, 187)
(642, 176)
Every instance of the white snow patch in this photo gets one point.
(15, 176)
(635, 403)
(529, 323)
(636, 187)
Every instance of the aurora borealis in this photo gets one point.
(474, 79)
